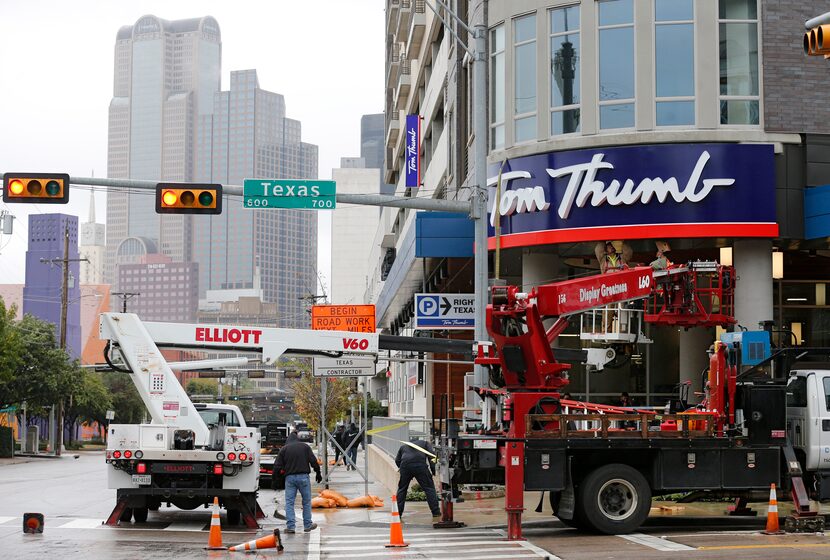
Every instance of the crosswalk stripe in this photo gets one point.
(7, 519)
(81, 524)
(490, 553)
(532, 547)
(369, 546)
(431, 534)
(314, 546)
(663, 545)
(186, 526)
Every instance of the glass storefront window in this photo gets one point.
(674, 62)
(524, 55)
(564, 66)
(739, 82)
(497, 100)
(616, 64)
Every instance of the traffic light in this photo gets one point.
(184, 198)
(817, 41)
(36, 188)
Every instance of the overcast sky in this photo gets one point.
(56, 65)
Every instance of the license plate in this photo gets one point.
(141, 479)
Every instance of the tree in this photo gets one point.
(202, 387)
(35, 371)
(307, 400)
(376, 409)
(127, 404)
(89, 400)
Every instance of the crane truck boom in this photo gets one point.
(191, 453)
(601, 467)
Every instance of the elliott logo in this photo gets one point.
(355, 344)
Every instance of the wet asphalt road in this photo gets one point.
(72, 494)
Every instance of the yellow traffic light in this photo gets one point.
(36, 188)
(817, 41)
(184, 198)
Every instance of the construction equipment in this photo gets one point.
(602, 465)
(191, 453)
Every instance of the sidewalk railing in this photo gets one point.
(406, 429)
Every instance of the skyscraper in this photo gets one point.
(245, 136)
(372, 134)
(166, 73)
(44, 280)
(92, 247)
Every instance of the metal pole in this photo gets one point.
(324, 440)
(479, 203)
(64, 306)
(816, 21)
(365, 447)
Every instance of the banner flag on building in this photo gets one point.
(413, 151)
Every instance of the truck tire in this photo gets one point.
(126, 515)
(140, 515)
(234, 517)
(614, 499)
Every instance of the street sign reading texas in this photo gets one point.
(289, 193)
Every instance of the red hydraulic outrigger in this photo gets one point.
(697, 294)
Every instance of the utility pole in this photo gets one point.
(124, 297)
(64, 262)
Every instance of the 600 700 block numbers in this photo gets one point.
(287, 193)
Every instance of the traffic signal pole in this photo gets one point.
(476, 206)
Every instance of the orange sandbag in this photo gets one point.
(363, 501)
(331, 462)
(377, 500)
(338, 498)
(318, 502)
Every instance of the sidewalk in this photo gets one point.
(478, 509)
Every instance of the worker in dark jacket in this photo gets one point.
(413, 462)
(295, 461)
(353, 434)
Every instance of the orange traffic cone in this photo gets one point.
(772, 514)
(271, 541)
(215, 536)
(395, 530)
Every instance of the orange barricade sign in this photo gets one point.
(352, 318)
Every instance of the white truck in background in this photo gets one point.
(192, 453)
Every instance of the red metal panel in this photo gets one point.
(575, 296)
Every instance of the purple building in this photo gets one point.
(42, 291)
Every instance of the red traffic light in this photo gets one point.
(36, 188)
(185, 198)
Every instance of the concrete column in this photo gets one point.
(539, 268)
(753, 292)
(692, 357)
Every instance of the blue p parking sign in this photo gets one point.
(428, 306)
(444, 311)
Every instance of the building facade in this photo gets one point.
(247, 135)
(93, 247)
(633, 122)
(349, 240)
(44, 275)
(165, 77)
(372, 146)
(167, 289)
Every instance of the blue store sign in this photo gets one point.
(412, 150)
(657, 191)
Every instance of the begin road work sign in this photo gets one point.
(352, 318)
(344, 367)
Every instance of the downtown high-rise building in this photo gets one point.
(247, 135)
(372, 146)
(166, 74)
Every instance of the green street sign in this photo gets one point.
(289, 193)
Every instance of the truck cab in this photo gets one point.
(808, 424)
(211, 414)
